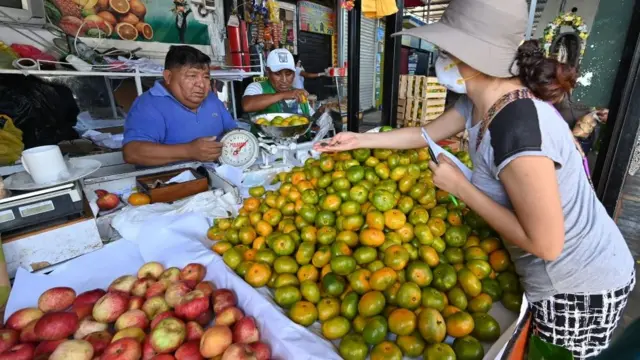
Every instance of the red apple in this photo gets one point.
(132, 332)
(194, 331)
(151, 270)
(110, 307)
(19, 352)
(222, 299)
(56, 299)
(168, 335)
(192, 305)
(88, 326)
(99, 340)
(83, 311)
(100, 193)
(73, 350)
(132, 318)
(175, 292)
(193, 272)
(154, 306)
(147, 350)
(245, 331)
(135, 302)
(140, 287)
(229, 316)
(56, 325)
(206, 287)
(108, 202)
(160, 317)
(171, 275)
(28, 334)
(189, 351)
(89, 297)
(238, 352)
(156, 289)
(215, 341)
(163, 357)
(19, 319)
(45, 348)
(205, 318)
(123, 349)
(261, 350)
(123, 283)
(8, 338)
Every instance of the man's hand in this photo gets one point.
(296, 94)
(205, 149)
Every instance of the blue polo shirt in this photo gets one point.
(156, 116)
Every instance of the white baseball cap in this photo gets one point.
(280, 59)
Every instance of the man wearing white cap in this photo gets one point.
(277, 95)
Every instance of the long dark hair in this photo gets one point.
(547, 78)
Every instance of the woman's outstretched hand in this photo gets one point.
(341, 142)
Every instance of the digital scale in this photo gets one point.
(276, 147)
(40, 207)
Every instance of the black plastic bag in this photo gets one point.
(45, 112)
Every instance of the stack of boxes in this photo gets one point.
(420, 100)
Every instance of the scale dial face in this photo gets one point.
(239, 148)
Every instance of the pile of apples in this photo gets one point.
(160, 314)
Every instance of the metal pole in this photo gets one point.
(353, 87)
(391, 70)
(532, 15)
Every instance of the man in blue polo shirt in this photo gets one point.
(179, 118)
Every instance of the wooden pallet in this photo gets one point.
(421, 87)
(419, 112)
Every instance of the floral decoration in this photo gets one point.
(552, 30)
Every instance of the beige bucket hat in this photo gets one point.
(485, 34)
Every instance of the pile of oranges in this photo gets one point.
(364, 243)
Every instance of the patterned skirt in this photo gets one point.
(580, 323)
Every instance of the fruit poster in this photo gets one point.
(316, 18)
(167, 21)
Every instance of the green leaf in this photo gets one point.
(542, 350)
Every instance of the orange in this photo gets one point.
(429, 255)
(402, 321)
(394, 219)
(246, 235)
(359, 281)
(383, 278)
(375, 220)
(371, 304)
(272, 216)
(215, 233)
(255, 217)
(386, 350)
(454, 218)
(499, 260)
(449, 310)
(371, 237)
(472, 240)
(221, 247)
(263, 228)
(137, 199)
(406, 232)
(490, 245)
(285, 189)
(294, 195)
(120, 6)
(396, 257)
(297, 177)
(459, 324)
(258, 274)
(249, 255)
(308, 272)
(251, 204)
(223, 224)
(432, 326)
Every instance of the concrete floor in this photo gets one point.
(631, 313)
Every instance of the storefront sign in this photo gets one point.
(316, 18)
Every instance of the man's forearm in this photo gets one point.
(152, 154)
(253, 103)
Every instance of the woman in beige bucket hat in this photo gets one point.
(529, 181)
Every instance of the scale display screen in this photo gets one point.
(37, 208)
